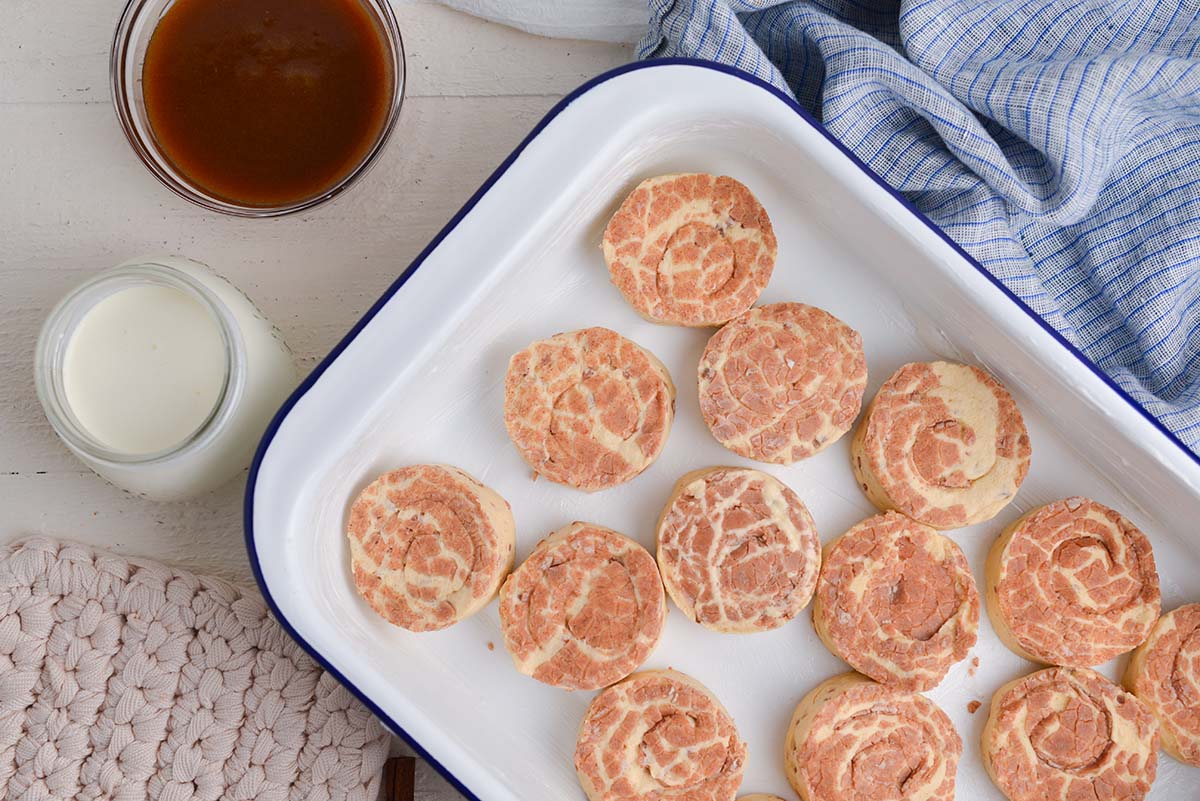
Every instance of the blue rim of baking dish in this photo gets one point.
(308, 382)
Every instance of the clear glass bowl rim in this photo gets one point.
(59, 326)
(124, 82)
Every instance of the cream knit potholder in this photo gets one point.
(126, 679)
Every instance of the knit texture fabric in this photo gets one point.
(1058, 141)
(126, 679)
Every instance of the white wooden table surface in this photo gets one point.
(74, 199)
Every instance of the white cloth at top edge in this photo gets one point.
(622, 21)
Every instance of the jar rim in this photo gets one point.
(125, 82)
(59, 328)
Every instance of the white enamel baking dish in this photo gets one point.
(420, 379)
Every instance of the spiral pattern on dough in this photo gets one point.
(853, 739)
(782, 382)
(1072, 583)
(690, 249)
(737, 549)
(584, 610)
(589, 408)
(659, 736)
(1069, 733)
(896, 600)
(1165, 675)
(429, 545)
(942, 443)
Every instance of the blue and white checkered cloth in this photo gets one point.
(1058, 141)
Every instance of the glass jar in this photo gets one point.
(161, 376)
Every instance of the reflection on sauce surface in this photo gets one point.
(267, 102)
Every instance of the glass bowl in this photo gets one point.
(134, 30)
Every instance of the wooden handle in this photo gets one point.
(399, 779)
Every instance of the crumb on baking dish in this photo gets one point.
(973, 706)
(491, 646)
(974, 666)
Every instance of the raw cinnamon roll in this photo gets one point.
(1165, 675)
(429, 545)
(943, 444)
(782, 382)
(659, 736)
(589, 408)
(1068, 733)
(584, 610)
(737, 549)
(1072, 583)
(897, 601)
(690, 249)
(852, 738)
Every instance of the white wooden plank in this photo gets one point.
(58, 53)
(74, 191)
(313, 275)
(202, 535)
(75, 200)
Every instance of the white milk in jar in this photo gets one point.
(161, 376)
